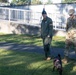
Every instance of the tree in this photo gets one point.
(36, 2)
(3, 0)
(19, 2)
(49, 2)
(68, 1)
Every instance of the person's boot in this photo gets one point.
(48, 58)
(65, 60)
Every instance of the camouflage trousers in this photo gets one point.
(70, 40)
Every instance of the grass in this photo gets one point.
(24, 63)
(34, 40)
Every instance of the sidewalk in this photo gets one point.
(33, 48)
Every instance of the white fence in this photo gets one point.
(28, 17)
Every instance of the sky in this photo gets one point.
(10, 1)
(54, 1)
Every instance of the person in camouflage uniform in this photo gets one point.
(46, 33)
(71, 34)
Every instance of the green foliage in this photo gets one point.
(36, 2)
(19, 2)
(68, 1)
(49, 2)
(3, 0)
(14, 2)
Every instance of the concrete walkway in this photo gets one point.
(33, 48)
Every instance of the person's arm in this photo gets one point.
(67, 24)
(50, 28)
(41, 26)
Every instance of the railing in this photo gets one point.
(28, 17)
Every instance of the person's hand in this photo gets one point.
(48, 36)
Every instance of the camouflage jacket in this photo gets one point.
(71, 23)
(46, 27)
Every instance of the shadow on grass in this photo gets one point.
(25, 63)
(20, 63)
(70, 68)
(60, 44)
(21, 39)
(31, 40)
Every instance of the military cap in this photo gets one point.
(44, 12)
(71, 11)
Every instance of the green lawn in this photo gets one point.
(34, 40)
(24, 63)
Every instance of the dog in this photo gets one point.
(57, 64)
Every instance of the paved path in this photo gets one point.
(33, 48)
